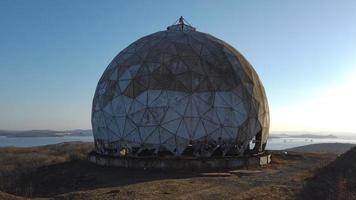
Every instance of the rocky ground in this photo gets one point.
(61, 172)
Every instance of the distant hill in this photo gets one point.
(305, 135)
(46, 133)
(335, 148)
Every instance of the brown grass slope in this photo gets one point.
(15, 163)
(335, 181)
(62, 172)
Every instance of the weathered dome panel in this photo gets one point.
(176, 90)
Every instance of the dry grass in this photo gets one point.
(15, 162)
(5, 196)
(335, 181)
(61, 172)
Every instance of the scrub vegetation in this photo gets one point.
(62, 172)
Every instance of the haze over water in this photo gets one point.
(272, 144)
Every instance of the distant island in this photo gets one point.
(46, 133)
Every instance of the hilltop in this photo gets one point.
(61, 172)
(335, 181)
(336, 148)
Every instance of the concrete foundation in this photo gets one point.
(179, 163)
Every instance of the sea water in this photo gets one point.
(40, 141)
(272, 144)
(291, 142)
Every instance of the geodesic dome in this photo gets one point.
(179, 92)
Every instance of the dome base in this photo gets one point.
(180, 163)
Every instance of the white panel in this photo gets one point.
(191, 124)
(136, 117)
(133, 136)
(146, 131)
(209, 126)
(212, 116)
(183, 131)
(191, 109)
(108, 109)
(120, 105)
(199, 131)
(102, 87)
(130, 72)
(180, 106)
(112, 135)
(174, 96)
(170, 115)
(240, 108)
(124, 83)
(215, 135)
(239, 118)
(219, 101)
(136, 106)
(143, 97)
(172, 126)
(228, 97)
(102, 133)
(153, 95)
(154, 137)
(120, 124)
(164, 135)
(113, 126)
(160, 101)
(153, 66)
(158, 113)
(101, 119)
(207, 97)
(201, 106)
(222, 114)
(114, 75)
(228, 133)
(129, 126)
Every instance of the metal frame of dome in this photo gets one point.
(180, 92)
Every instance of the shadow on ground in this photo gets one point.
(62, 172)
(335, 181)
(82, 175)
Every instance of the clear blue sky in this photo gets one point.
(52, 54)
